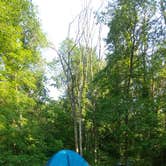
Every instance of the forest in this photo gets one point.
(113, 107)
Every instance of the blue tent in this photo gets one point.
(67, 158)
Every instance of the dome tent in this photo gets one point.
(67, 158)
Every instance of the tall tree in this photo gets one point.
(21, 39)
(77, 56)
(136, 34)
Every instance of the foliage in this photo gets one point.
(120, 110)
(129, 112)
(24, 114)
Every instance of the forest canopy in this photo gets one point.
(113, 109)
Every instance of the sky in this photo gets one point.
(55, 16)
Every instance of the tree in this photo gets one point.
(125, 94)
(21, 39)
(77, 56)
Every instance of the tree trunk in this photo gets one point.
(80, 136)
(73, 107)
(76, 136)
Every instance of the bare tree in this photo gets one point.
(85, 35)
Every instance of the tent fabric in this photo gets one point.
(67, 158)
